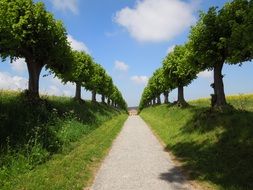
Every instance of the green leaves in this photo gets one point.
(28, 30)
(220, 36)
(178, 66)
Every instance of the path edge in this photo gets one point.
(97, 167)
(197, 185)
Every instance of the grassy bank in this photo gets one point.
(54, 144)
(216, 148)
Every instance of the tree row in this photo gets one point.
(221, 36)
(28, 30)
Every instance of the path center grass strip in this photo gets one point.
(75, 169)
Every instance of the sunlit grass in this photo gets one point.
(215, 148)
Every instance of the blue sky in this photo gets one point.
(129, 38)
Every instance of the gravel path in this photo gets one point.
(137, 161)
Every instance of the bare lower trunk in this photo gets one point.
(158, 99)
(180, 100)
(108, 101)
(94, 96)
(166, 97)
(78, 92)
(154, 101)
(34, 70)
(103, 98)
(219, 94)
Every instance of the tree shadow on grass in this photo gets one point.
(226, 160)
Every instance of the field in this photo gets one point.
(55, 143)
(215, 148)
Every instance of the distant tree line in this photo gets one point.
(221, 36)
(28, 30)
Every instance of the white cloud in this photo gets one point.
(140, 79)
(48, 85)
(157, 20)
(54, 90)
(54, 86)
(206, 74)
(170, 49)
(19, 65)
(9, 82)
(64, 5)
(77, 45)
(121, 66)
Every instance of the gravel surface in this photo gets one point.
(137, 161)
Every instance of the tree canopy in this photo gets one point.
(28, 31)
(220, 36)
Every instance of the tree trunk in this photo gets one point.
(34, 70)
(103, 98)
(94, 96)
(108, 101)
(153, 101)
(218, 86)
(78, 92)
(180, 100)
(158, 100)
(166, 97)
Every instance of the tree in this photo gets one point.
(145, 99)
(96, 80)
(162, 84)
(107, 88)
(28, 31)
(158, 85)
(178, 70)
(223, 37)
(238, 18)
(81, 71)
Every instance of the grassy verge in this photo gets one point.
(54, 144)
(75, 169)
(216, 148)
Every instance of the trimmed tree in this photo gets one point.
(28, 31)
(221, 37)
(96, 81)
(179, 71)
(81, 72)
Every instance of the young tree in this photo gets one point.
(28, 31)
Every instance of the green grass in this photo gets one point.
(55, 144)
(216, 148)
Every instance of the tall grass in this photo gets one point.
(31, 134)
(216, 148)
